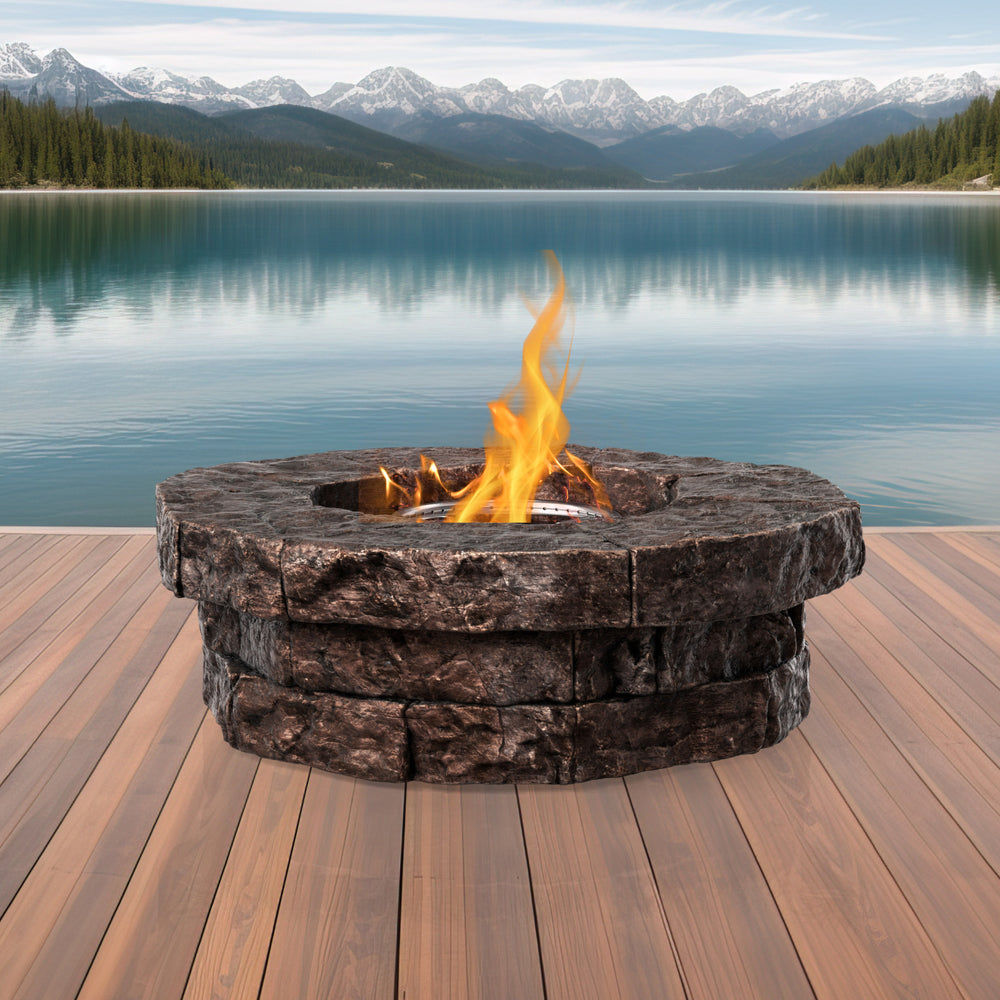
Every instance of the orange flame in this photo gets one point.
(523, 448)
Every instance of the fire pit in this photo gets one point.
(389, 648)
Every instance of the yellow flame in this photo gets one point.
(522, 448)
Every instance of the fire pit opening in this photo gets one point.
(367, 643)
(559, 496)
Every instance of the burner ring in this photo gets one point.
(548, 509)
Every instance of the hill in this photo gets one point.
(41, 144)
(289, 146)
(958, 150)
(663, 153)
(792, 161)
(496, 139)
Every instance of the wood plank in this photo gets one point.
(7, 539)
(961, 603)
(58, 763)
(132, 612)
(432, 953)
(52, 929)
(232, 955)
(502, 950)
(969, 697)
(22, 591)
(150, 945)
(35, 630)
(961, 774)
(970, 577)
(467, 925)
(731, 940)
(979, 548)
(13, 555)
(923, 604)
(336, 932)
(602, 929)
(951, 888)
(855, 933)
(35, 568)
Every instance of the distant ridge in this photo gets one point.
(600, 111)
(287, 146)
(792, 161)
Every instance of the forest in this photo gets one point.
(957, 150)
(41, 144)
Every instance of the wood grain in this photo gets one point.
(336, 932)
(233, 952)
(855, 933)
(601, 925)
(467, 926)
(948, 883)
(963, 776)
(151, 943)
(731, 940)
(55, 923)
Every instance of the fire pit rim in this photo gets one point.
(218, 528)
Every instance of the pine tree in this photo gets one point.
(966, 146)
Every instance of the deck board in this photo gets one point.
(140, 856)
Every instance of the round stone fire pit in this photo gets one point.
(386, 649)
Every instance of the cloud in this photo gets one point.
(726, 17)
(519, 46)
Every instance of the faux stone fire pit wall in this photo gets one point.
(392, 650)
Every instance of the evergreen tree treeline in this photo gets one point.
(39, 144)
(42, 144)
(958, 150)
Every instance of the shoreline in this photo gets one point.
(539, 192)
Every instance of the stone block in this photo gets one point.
(361, 737)
(501, 668)
(708, 722)
(491, 745)
(639, 661)
(264, 644)
(458, 589)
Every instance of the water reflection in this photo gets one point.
(62, 256)
(144, 334)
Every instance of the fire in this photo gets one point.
(522, 448)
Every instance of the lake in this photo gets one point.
(146, 333)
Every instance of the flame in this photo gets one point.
(522, 448)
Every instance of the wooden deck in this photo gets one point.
(142, 857)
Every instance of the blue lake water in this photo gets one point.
(144, 334)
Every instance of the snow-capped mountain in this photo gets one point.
(203, 94)
(936, 89)
(58, 75)
(796, 109)
(601, 111)
(276, 90)
(18, 62)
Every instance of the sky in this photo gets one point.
(676, 49)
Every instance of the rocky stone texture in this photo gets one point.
(393, 740)
(501, 668)
(371, 645)
(644, 661)
(695, 540)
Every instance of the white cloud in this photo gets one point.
(318, 51)
(727, 17)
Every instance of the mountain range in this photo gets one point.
(575, 123)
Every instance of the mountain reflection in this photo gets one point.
(64, 256)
